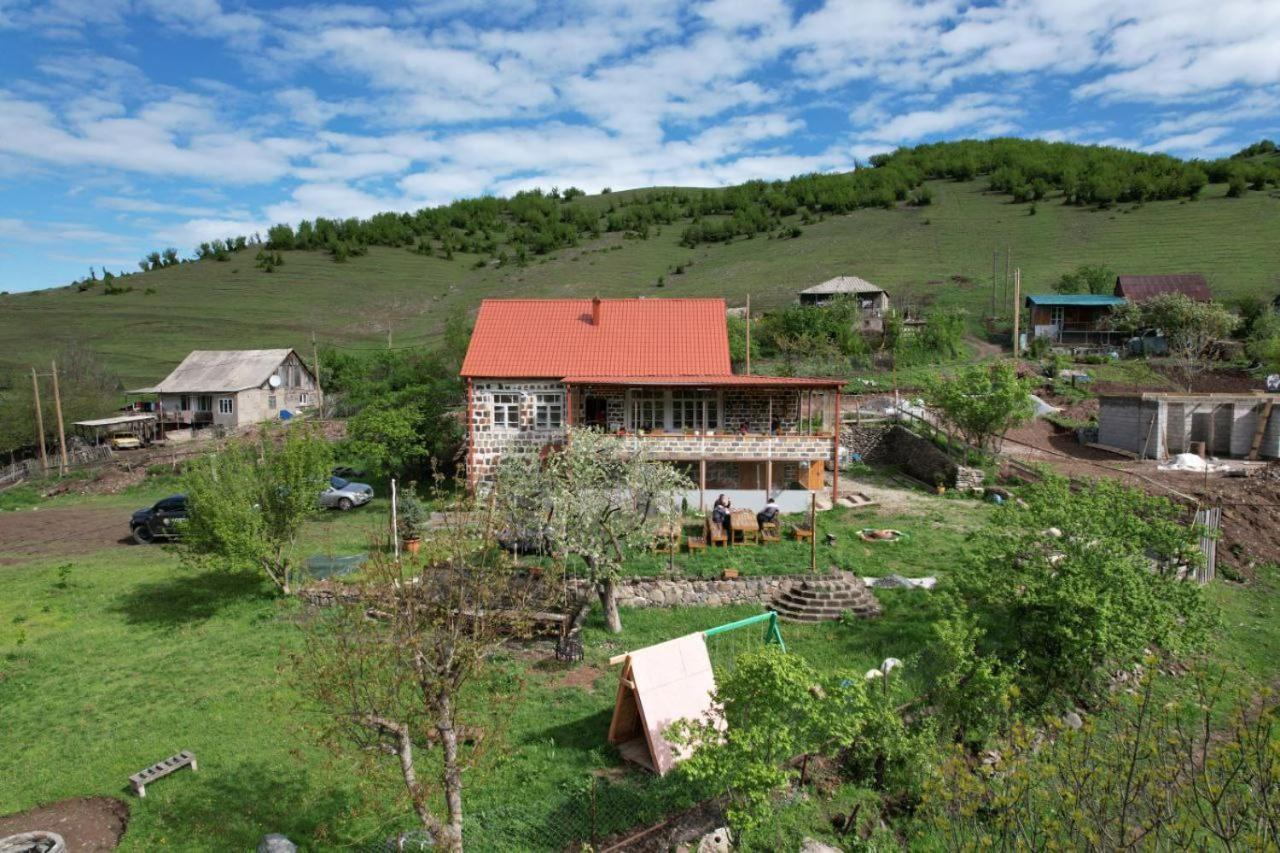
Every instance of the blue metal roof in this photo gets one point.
(1093, 300)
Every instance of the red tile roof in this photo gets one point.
(719, 381)
(554, 338)
(1136, 288)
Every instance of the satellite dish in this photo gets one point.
(274, 381)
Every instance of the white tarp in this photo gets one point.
(1191, 462)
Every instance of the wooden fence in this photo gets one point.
(1211, 518)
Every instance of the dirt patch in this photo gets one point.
(31, 534)
(87, 824)
(584, 677)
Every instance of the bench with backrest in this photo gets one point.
(769, 532)
(161, 769)
(716, 534)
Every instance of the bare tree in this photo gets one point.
(594, 498)
(397, 664)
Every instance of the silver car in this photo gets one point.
(344, 494)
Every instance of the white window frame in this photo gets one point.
(204, 403)
(548, 410)
(505, 406)
(704, 405)
(226, 405)
(304, 399)
(648, 409)
(184, 402)
(271, 402)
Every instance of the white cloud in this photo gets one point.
(976, 112)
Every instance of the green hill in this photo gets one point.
(939, 253)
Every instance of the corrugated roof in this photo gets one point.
(119, 420)
(735, 380)
(844, 284)
(1097, 300)
(1140, 287)
(554, 338)
(214, 371)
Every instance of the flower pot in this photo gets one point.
(729, 574)
(940, 489)
(411, 546)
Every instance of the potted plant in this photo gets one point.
(411, 517)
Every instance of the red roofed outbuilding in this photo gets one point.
(655, 370)
(1137, 288)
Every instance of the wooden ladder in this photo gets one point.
(1262, 428)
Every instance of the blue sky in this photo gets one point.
(131, 125)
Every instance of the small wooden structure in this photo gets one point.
(141, 425)
(142, 778)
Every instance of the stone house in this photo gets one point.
(656, 371)
(232, 388)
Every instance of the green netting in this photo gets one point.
(323, 566)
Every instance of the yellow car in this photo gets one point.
(124, 441)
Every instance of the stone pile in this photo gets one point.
(826, 598)
(969, 479)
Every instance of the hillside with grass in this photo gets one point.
(921, 233)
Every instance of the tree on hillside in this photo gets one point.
(982, 401)
(595, 498)
(247, 504)
(1086, 278)
(403, 668)
(1190, 328)
(88, 391)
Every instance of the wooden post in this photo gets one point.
(1017, 309)
(62, 433)
(315, 365)
(748, 334)
(768, 457)
(835, 447)
(35, 390)
(395, 537)
(813, 529)
(702, 484)
(1008, 262)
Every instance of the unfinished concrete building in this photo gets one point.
(1159, 425)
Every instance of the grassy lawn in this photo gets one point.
(110, 661)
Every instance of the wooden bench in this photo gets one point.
(716, 534)
(695, 543)
(769, 532)
(802, 533)
(142, 778)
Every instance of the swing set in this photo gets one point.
(674, 681)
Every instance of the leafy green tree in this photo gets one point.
(595, 498)
(1263, 342)
(981, 401)
(770, 708)
(1190, 328)
(1067, 586)
(248, 503)
(388, 439)
(1087, 278)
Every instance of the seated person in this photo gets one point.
(769, 513)
(720, 511)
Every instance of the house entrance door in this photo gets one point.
(596, 411)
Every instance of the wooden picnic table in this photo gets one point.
(743, 522)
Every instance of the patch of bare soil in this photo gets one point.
(1215, 381)
(584, 676)
(1250, 513)
(87, 824)
(31, 534)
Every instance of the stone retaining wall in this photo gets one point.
(688, 592)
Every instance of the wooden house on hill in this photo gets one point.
(233, 388)
(870, 297)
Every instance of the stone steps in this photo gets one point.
(827, 598)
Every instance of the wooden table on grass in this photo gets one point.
(743, 521)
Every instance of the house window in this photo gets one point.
(506, 411)
(184, 403)
(548, 411)
(696, 410)
(271, 402)
(204, 403)
(304, 399)
(225, 405)
(648, 409)
(1057, 316)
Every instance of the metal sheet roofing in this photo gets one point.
(120, 420)
(1140, 287)
(717, 381)
(1097, 300)
(844, 284)
(555, 338)
(213, 371)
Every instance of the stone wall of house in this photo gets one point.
(490, 441)
(796, 448)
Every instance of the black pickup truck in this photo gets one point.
(162, 521)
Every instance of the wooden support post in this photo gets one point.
(62, 433)
(835, 449)
(748, 334)
(35, 391)
(813, 528)
(702, 484)
(315, 366)
(1017, 309)
(395, 534)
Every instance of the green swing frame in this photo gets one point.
(772, 633)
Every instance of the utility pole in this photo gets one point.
(1008, 261)
(35, 390)
(1017, 312)
(995, 260)
(315, 363)
(62, 433)
(748, 334)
